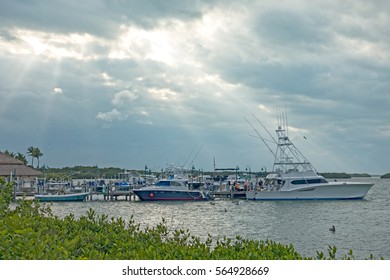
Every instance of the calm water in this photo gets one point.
(361, 225)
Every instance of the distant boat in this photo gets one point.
(61, 197)
(170, 189)
(294, 178)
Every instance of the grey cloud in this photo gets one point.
(101, 18)
(283, 27)
(332, 76)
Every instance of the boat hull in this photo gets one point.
(61, 197)
(341, 191)
(157, 195)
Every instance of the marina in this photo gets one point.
(112, 193)
(293, 177)
(292, 204)
(175, 183)
(229, 212)
(361, 225)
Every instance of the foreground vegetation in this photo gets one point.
(31, 231)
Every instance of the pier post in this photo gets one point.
(231, 194)
(90, 193)
(13, 185)
(14, 193)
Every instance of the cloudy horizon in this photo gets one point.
(129, 83)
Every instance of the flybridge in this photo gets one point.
(287, 156)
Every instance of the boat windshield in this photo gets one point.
(308, 181)
(163, 184)
(176, 184)
(168, 183)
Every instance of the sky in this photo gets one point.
(134, 83)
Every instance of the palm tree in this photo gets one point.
(38, 154)
(30, 152)
(18, 156)
(21, 157)
(9, 153)
(34, 153)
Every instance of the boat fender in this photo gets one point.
(151, 194)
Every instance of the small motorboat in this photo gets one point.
(61, 197)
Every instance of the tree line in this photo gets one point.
(33, 152)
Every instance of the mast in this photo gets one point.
(287, 157)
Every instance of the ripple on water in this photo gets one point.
(362, 225)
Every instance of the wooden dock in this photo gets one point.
(229, 194)
(115, 195)
(108, 194)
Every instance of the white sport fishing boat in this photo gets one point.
(295, 178)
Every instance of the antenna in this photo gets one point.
(265, 129)
(262, 139)
(196, 155)
(282, 119)
(285, 108)
(189, 156)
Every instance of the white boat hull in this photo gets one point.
(336, 191)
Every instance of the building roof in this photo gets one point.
(9, 164)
